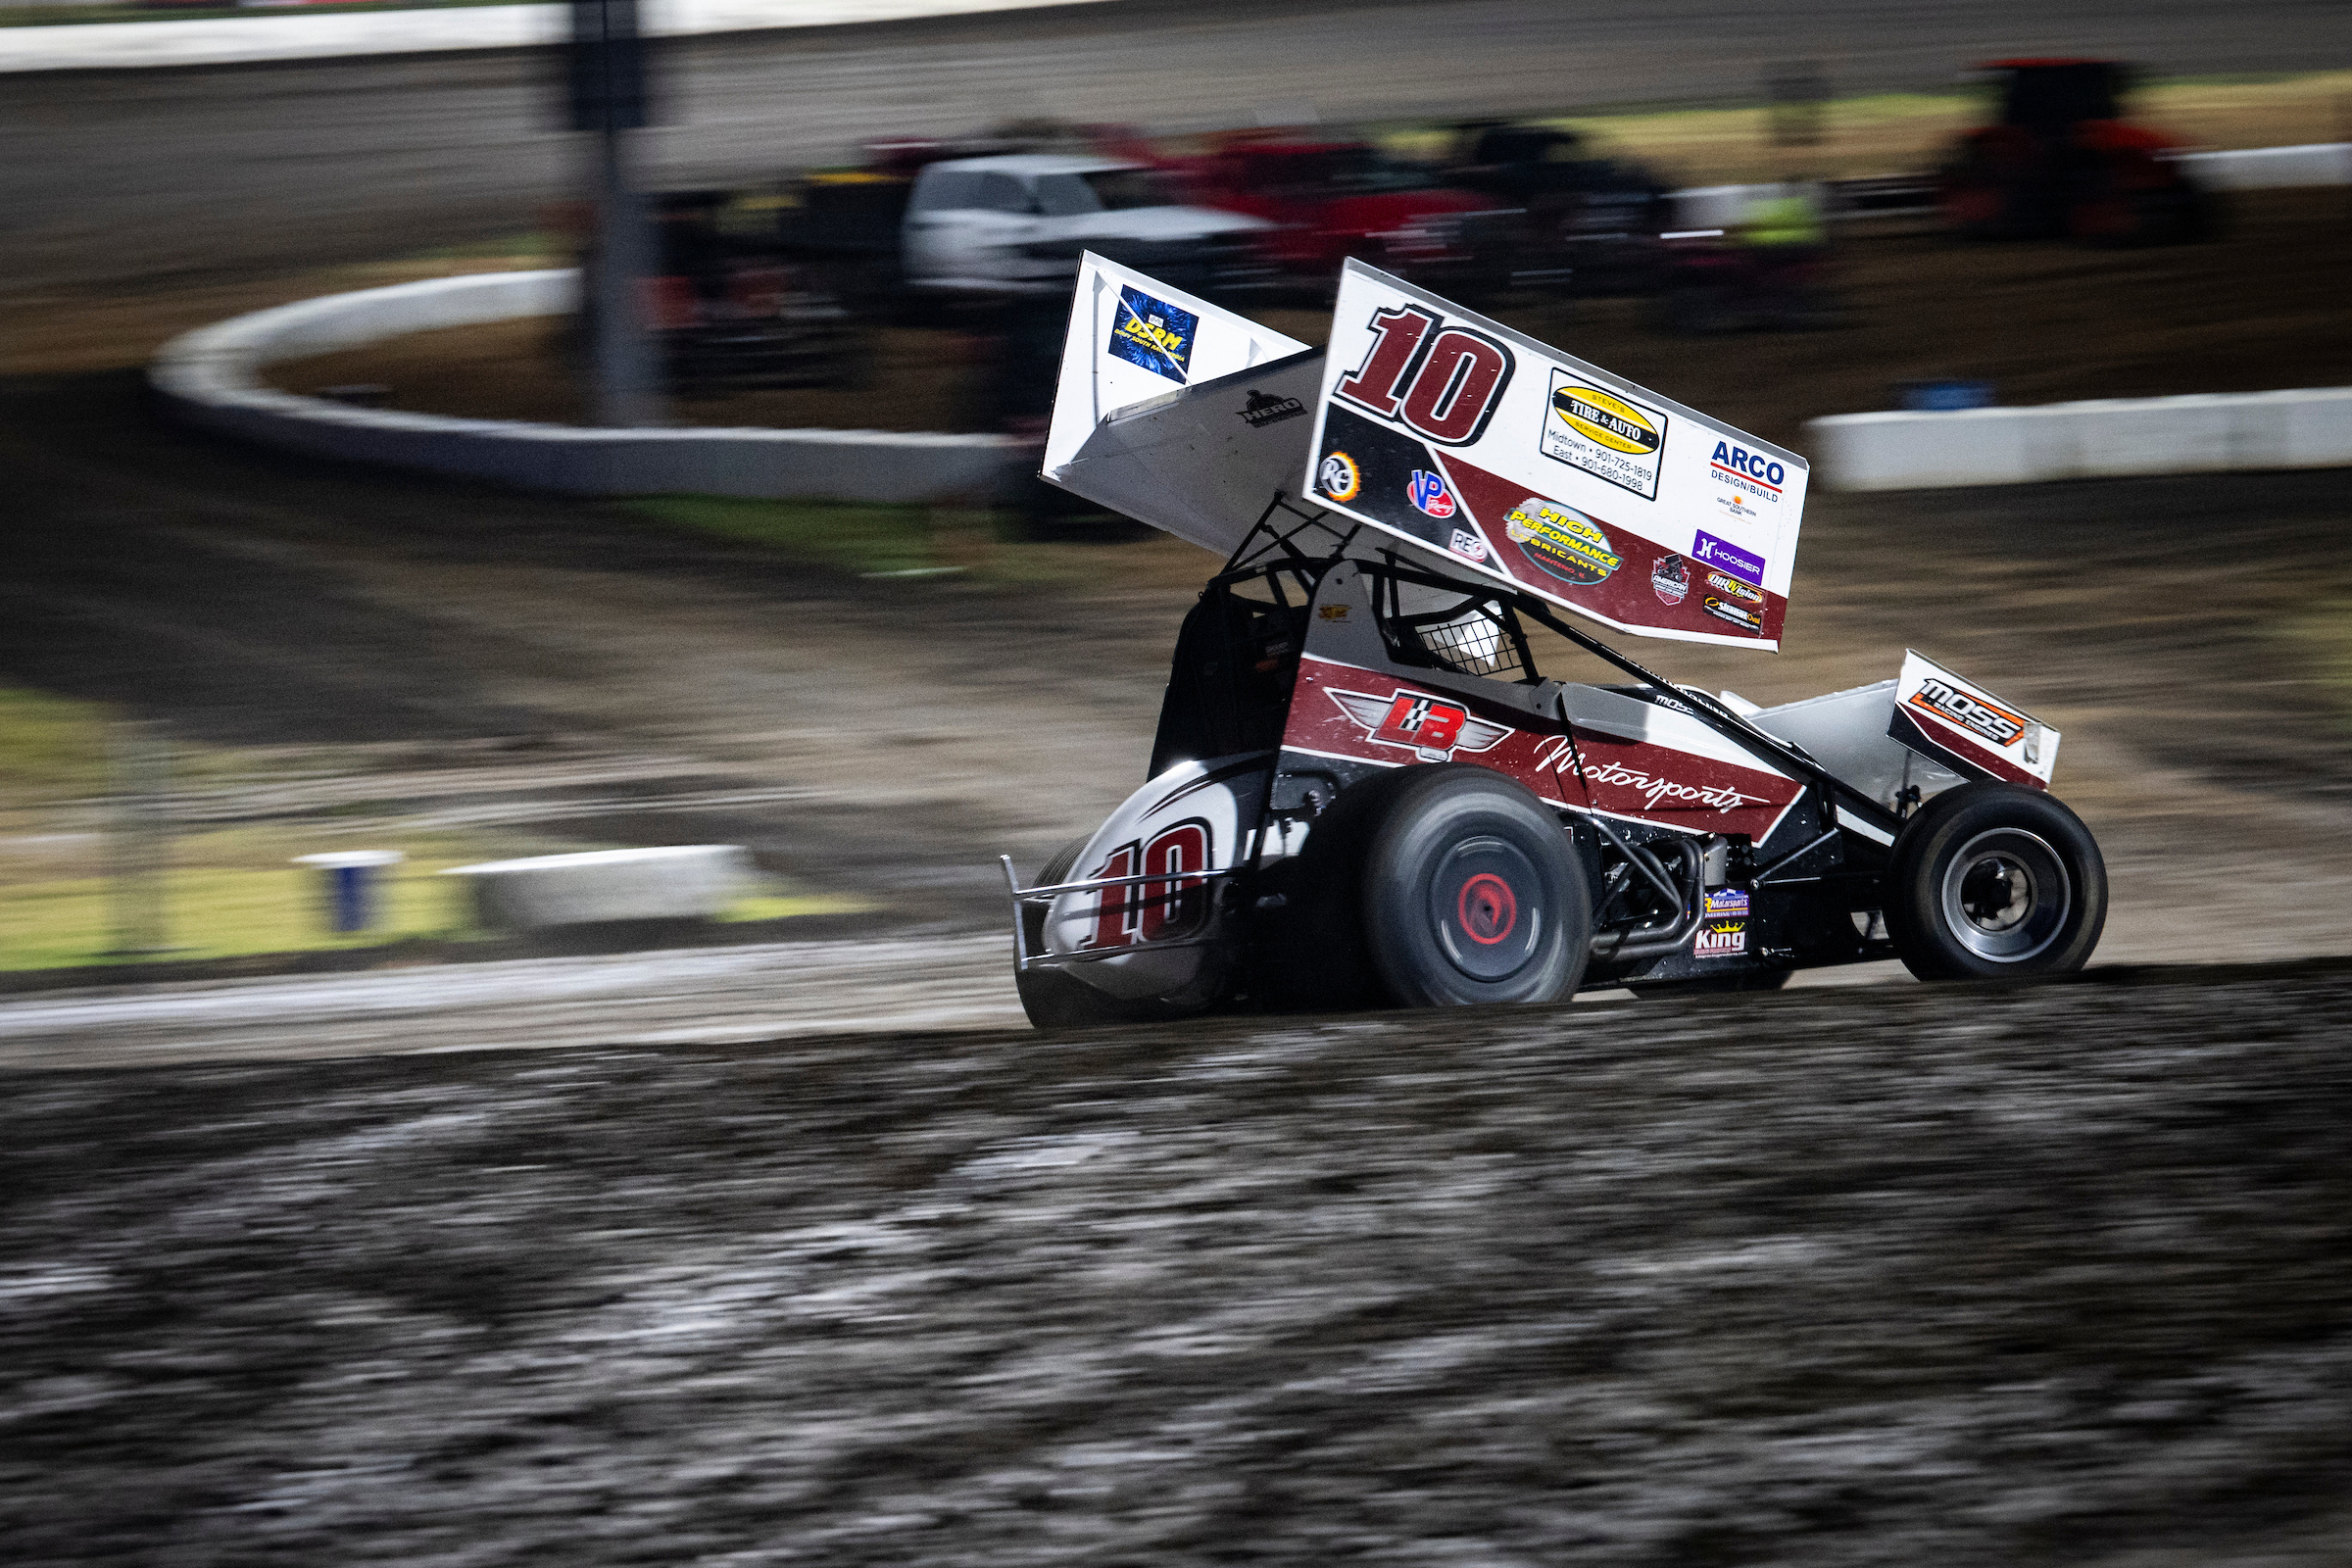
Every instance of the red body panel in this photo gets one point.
(1364, 715)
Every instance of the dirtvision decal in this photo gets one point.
(1951, 719)
(1153, 333)
(1592, 491)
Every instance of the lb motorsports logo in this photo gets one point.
(1605, 433)
(1154, 334)
(1432, 729)
(1562, 541)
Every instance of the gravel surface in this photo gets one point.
(1934, 1275)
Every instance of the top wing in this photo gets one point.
(1508, 458)
(1175, 411)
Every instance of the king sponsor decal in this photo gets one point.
(1720, 939)
(1604, 433)
(1154, 334)
(1432, 729)
(1562, 541)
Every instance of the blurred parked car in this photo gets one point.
(1591, 220)
(729, 309)
(1017, 224)
(2062, 163)
(1328, 200)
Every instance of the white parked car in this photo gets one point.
(1019, 222)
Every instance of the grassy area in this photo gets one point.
(2323, 635)
(851, 537)
(233, 893)
(50, 748)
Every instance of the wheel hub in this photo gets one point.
(1480, 905)
(2006, 896)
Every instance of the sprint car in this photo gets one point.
(1364, 790)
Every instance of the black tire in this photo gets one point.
(1990, 881)
(1713, 984)
(1470, 893)
(1055, 1000)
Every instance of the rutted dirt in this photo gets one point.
(1953, 1276)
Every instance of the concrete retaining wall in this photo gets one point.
(210, 377)
(2104, 438)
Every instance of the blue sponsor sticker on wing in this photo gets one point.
(1731, 558)
(1154, 334)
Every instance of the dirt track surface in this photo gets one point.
(142, 174)
(2055, 1276)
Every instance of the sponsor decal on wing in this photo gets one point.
(1153, 333)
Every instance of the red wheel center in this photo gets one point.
(1487, 910)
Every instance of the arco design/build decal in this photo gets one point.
(1581, 483)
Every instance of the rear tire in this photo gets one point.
(1990, 881)
(1471, 894)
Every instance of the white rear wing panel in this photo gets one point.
(1957, 722)
(1162, 362)
(1514, 460)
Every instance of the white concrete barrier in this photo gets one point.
(210, 377)
(678, 882)
(2325, 163)
(2105, 438)
(230, 40)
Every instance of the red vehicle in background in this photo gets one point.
(2062, 163)
(1332, 198)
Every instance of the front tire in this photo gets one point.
(1990, 881)
(1471, 894)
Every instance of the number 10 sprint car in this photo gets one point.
(1363, 791)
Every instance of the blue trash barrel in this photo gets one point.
(347, 885)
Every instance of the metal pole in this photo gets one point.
(626, 389)
(141, 848)
(609, 99)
